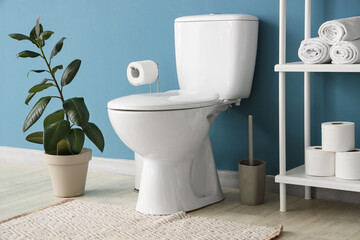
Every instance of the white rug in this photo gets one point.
(74, 219)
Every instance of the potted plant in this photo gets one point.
(65, 129)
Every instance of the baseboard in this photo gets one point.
(127, 167)
(97, 164)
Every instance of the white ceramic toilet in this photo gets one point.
(215, 59)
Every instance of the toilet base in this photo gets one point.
(173, 185)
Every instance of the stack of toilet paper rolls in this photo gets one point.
(337, 155)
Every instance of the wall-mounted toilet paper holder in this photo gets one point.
(137, 73)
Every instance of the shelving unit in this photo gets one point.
(302, 67)
(297, 175)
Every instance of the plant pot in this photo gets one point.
(252, 182)
(68, 173)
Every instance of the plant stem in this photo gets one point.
(54, 79)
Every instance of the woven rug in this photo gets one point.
(74, 219)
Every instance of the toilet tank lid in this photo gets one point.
(170, 100)
(217, 17)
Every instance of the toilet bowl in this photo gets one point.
(215, 59)
(171, 135)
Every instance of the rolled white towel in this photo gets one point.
(345, 29)
(314, 50)
(345, 52)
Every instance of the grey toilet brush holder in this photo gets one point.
(252, 182)
(252, 175)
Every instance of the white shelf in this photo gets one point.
(297, 176)
(302, 67)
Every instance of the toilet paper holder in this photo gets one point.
(157, 78)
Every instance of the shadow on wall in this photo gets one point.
(229, 133)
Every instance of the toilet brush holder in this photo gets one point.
(252, 182)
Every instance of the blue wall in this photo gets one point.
(107, 35)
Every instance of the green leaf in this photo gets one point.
(77, 111)
(76, 139)
(36, 112)
(63, 148)
(27, 53)
(54, 133)
(31, 95)
(40, 87)
(53, 71)
(54, 117)
(45, 35)
(57, 48)
(20, 37)
(70, 72)
(95, 135)
(33, 34)
(36, 71)
(36, 137)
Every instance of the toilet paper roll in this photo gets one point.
(338, 136)
(142, 72)
(348, 165)
(319, 162)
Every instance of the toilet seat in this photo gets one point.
(170, 100)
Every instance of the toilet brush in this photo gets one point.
(251, 153)
(252, 175)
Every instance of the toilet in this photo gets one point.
(215, 59)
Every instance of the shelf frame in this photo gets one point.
(307, 91)
(304, 67)
(282, 103)
(282, 98)
(297, 176)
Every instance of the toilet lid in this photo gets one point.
(170, 100)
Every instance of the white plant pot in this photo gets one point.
(68, 172)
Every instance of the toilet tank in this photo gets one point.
(216, 53)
